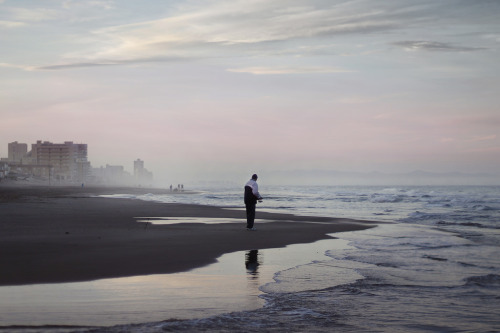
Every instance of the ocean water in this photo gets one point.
(436, 268)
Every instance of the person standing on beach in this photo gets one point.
(250, 198)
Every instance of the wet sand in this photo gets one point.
(64, 234)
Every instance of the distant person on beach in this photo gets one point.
(251, 197)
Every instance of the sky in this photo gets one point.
(222, 89)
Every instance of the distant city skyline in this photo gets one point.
(223, 89)
(66, 163)
(120, 175)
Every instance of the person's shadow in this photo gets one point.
(252, 263)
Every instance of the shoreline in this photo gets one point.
(66, 234)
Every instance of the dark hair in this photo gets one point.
(254, 176)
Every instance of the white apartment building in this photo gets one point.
(62, 161)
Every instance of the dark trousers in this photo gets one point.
(250, 207)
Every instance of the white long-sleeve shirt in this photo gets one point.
(255, 188)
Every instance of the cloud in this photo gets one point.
(16, 15)
(101, 63)
(434, 46)
(236, 22)
(288, 70)
(242, 28)
(484, 138)
(483, 150)
(219, 28)
(492, 36)
(469, 140)
(74, 65)
(34, 14)
(104, 4)
(447, 140)
(11, 24)
(7, 65)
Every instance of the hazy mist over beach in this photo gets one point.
(296, 91)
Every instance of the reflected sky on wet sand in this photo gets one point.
(231, 284)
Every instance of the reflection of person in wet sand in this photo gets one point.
(252, 261)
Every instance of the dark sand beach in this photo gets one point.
(67, 234)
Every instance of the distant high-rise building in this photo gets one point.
(112, 175)
(142, 175)
(138, 168)
(64, 161)
(17, 151)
